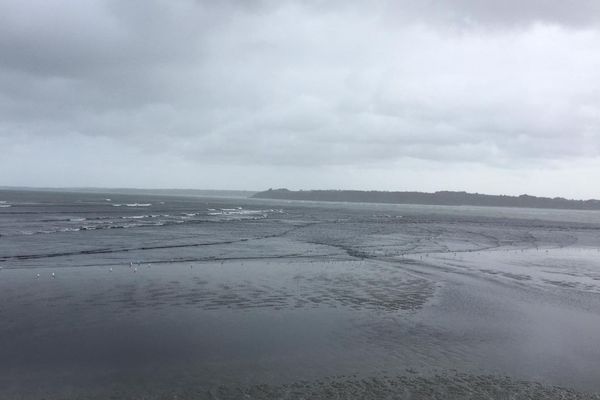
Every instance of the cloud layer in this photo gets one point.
(111, 89)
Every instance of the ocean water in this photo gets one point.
(141, 296)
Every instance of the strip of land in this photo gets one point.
(443, 198)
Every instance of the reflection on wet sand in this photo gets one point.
(305, 302)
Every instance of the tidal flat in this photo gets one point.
(156, 297)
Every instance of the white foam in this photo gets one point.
(131, 226)
(132, 205)
(239, 213)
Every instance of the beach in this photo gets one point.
(156, 296)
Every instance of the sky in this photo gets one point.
(499, 97)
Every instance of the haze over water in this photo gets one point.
(155, 296)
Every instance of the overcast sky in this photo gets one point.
(479, 95)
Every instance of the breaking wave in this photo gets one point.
(132, 205)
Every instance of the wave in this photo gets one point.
(3, 205)
(90, 228)
(239, 211)
(132, 205)
(65, 225)
(144, 216)
(78, 219)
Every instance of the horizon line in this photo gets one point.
(66, 188)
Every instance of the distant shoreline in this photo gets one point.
(135, 191)
(442, 198)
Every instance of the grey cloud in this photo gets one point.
(475, 13)
(515, 12)
(304, 84)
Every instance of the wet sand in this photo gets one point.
(311, 302)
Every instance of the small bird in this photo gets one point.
(37, 276)
(53, 276)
